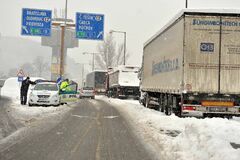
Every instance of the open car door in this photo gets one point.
(69, 95)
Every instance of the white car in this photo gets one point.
(44, 93)
(87, 92)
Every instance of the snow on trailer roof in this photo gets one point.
(189, 11)
(124, 68)
(99, 70)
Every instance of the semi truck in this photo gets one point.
(96, 79)
(123, 82)
(191, 67)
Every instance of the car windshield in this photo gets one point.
(48, 87)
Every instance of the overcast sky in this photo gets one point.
(139, 18)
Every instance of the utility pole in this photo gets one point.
(82, 75)
(93, 58)
(63, 31)
(63, 27)
(186, 5)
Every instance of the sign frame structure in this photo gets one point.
(89, 26)
(36, 22)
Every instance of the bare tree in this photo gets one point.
(110, 57)
(12, 72)
(40, 66)
(108, 50)
(28, 69)
(2, 75)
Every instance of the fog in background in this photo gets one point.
(140, 19)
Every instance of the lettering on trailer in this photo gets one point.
(214, 66)
(214, 23)
(36, 22)
(167, 65)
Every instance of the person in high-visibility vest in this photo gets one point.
(64, 85)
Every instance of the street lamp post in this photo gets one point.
(93, 58)
(125, 43)
(83, 71)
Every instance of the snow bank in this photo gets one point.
(23, 113)
(27, 114)
(12, 87)
(184, 138)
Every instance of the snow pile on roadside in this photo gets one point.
(12, 87)
(184, 138)
(27, 114)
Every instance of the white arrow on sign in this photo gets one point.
(25, 29)
(100, 34)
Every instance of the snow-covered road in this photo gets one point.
(174, 138)
(168, 137)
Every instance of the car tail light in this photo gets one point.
(190, 108)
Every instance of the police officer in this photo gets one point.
(24, 90)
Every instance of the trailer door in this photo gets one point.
(230, 55)
(201, 53)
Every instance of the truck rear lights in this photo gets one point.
(190, 108)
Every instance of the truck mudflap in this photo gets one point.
(210, 111)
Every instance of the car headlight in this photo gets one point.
(56, 96)
(32, 95)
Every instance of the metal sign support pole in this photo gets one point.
(125, 43)
(62, 50)
(63, 27)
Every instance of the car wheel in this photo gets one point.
(30, 105)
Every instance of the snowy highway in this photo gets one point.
(108, 128)
(93, 129)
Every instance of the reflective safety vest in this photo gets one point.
(64, 86)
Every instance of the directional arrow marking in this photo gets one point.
(100, 34)
(25, 29)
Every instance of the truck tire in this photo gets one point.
(161, 104)
(161, 108)
(147, 100)
(168, 110)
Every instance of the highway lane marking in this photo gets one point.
(79, 116)
(98, 149)
(110, 117)
(105, 117)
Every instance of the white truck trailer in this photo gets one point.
(192, 65)
(123, 82)
(96, 79)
